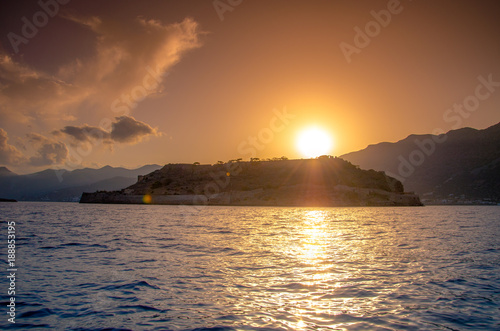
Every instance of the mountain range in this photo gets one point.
(64, 185)
(461, 166)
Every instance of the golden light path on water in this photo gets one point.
(315, 249)
(318, 263)
(330, 268)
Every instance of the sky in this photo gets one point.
(127, 83)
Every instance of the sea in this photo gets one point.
(151, 267)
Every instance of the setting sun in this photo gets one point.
(313, 142)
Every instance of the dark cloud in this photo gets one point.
(125, 129)
(128, 130)
(86, 133)
(8, 154)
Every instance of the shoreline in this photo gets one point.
(258, 198)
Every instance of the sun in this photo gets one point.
(313, 142)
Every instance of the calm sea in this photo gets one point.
(115, 267)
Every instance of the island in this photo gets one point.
(324, 181)
(7, 200)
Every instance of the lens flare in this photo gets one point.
(147, 198)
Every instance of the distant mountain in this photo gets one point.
(63, 185)
(74, 193)
(462, 165)
(6, 172)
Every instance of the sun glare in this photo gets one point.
(313, 142)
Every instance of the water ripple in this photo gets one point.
(107, 267)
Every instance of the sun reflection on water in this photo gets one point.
(315, 278)
(314, 241)
(304, 268)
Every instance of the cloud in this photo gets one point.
(9, 154)
(126, 52)
(85, 133)
(27, 95)
(129, 62)
(49, 152)
(125, 129)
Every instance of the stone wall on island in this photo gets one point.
(286, 196)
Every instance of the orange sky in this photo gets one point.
(127, 83)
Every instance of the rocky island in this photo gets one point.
(325, 181)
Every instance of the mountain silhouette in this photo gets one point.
(64, 185)
(6, 172)
(462, 164)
